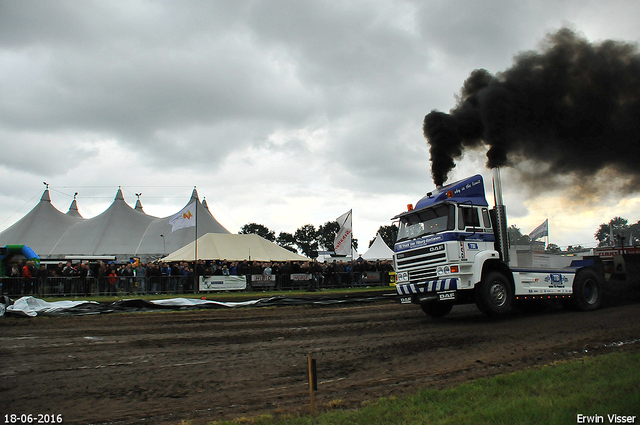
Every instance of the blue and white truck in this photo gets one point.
(453, 249)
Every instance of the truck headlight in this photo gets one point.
(440, 271)
(402, 276)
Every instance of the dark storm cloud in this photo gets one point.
(339, 45)
(208, 76)
(134, 72)
(573, 108)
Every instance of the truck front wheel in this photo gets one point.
(436, 309)
(587, 291)
(494, 295)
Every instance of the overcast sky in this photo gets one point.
(282, 113)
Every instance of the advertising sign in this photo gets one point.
(222, 283)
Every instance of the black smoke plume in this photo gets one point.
(572, 109)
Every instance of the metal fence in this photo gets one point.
(108, 285)
(127, 285)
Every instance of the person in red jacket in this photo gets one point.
(26, 277)
(26, 272)
(113, 282)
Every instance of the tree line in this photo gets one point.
(623, 232)
(308, 239)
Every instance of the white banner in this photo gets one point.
(342, 242)
(185, 218)
(223, 283)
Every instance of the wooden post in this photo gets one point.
(313, 382)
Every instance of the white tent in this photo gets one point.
(41, 228)
(220, 246)
(378, 250)
(120, 231)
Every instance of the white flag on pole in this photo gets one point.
(185, 218)
(612, 238)
(342, 242)
(540, 231)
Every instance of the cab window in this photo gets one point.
(427, 222)
(468, 217)
(485, 218)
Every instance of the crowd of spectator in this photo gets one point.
(155, 277)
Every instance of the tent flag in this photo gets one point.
(342, 242)
(185, 218)
(540, 231)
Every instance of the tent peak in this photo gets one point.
(138, 203)
(45, 195)
(379, 250)
(119, 195)
(73, 208)
(194, 195)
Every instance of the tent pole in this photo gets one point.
(351, 239)
(351, 247)
(196, 280)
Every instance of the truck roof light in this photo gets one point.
(449, 194)
(409, 207)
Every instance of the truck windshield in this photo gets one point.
(426, 222)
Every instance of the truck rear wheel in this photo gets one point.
(436, 309)
(494, 295)
(587, 291)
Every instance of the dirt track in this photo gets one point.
(214, 364)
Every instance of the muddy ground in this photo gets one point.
(162, 367)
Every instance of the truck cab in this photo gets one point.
(451, 249)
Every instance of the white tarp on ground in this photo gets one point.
(230, 247)
(189, 302)
(32, 307)
(378, 250)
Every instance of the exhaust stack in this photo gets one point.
(499, 217)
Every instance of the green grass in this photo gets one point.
(553, 394)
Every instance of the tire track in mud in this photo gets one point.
(214, 364)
